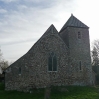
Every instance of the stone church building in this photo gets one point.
(57, 58)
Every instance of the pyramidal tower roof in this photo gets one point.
(73, 22)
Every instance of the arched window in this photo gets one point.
(52, 62)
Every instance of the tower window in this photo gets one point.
(79, 35)
(80, 65)
(52, 62)
(20, 71)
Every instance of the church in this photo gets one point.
(56, 59)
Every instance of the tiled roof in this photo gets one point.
(74, 22)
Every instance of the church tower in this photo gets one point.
(76, 36)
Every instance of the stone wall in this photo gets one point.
(31, 70)
(79, 50)
(34, 66)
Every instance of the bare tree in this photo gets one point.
(95, 53)
(0, 56)
(95, 59)
(3, 63)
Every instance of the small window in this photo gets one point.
(80, 65)
(20, 70)
(79, 35)
(52, 62)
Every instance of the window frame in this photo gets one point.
(20, 71)
(80, 65)
(79, 35)
(52, 56)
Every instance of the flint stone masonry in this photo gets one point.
(31, 70)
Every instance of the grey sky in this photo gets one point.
(22, 22)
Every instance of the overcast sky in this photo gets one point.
(22, 22)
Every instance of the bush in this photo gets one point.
(97, 79)
(1, 86)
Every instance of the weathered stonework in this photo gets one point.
(79, 50)
(31, 70)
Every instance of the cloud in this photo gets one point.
(15, 51)
(24, 21)
(8, 1)
(3, 11)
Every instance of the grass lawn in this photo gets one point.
(69, 92)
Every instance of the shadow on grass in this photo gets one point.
(63, 92)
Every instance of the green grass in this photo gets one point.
(72, 92)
